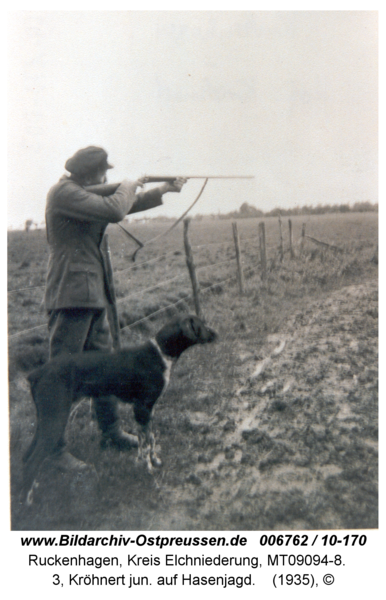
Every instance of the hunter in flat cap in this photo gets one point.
(87, 160)
(79, 295)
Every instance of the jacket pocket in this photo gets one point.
(84, 283)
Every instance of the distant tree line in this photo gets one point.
(247, 210)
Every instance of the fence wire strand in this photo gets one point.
(19, 333)
(144, 262)
(154, 287)
(162, 283)
(31, 287)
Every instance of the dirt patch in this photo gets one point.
(296, 446)
(280, 434)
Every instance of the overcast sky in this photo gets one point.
(289, 97)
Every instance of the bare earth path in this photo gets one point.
(295, 444)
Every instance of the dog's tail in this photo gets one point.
(33, 379)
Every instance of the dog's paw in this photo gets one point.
(156, 461)
(145, 463)
(119, 441)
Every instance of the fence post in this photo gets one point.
(112, 310)
(240, 275)
(281, 247)
(292, 254)
(303, 238)
(374, 259)
(263, 255)
(191, 268)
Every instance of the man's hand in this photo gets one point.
(175, 186)
(168, 186)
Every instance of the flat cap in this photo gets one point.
(87, 159)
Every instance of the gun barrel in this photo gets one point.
(156, 178)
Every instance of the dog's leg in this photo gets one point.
(32, 445)
(146, 440)
(141, 443)
(145, 447)
(155, 459)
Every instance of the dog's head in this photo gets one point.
(183, 332)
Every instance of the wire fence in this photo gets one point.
(259, 264)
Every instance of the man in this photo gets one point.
(79, 289)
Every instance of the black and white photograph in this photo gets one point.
(193, 270)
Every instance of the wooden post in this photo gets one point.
(263, 255)
(192, 269)
(112, 311)
(292, 254)
(281, 247)
(374, 259)
(240, 275)
(303, 238)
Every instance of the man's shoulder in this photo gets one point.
(65, 183)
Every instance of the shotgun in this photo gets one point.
(107, 189)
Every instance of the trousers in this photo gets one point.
(73, 330)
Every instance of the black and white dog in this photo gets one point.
(138, 375)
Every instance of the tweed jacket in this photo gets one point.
(79, 269)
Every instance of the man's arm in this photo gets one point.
(146, 200)
(75, 202)
(172, 184)
(81, 203)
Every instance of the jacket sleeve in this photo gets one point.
(73, 201)
(146, 200)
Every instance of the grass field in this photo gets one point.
(273, 427)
